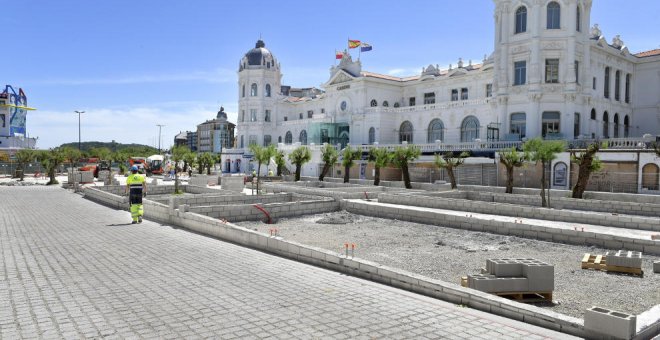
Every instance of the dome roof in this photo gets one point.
(256, 55)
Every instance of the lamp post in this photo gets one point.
(159, 127)
(79, 112)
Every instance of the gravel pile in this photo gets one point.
(447, 254)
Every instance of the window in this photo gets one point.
(268, 64)
(396, 104)
(242, 144)
(343, 105)
(617, 85)
(374, 103)
(616, 125)
(267, 116)
(322, 110)
(606, 125)
(606, 87)
(372, 135)
(626, 127)
(279, 139)
(469, 129)
(253, 90)
(303, 137)
(576, 125)
(243, 93)
(252, 140)
(554, 12)
(300, 115)
(267, 90)
(628, 88)
(577, 72)
(593, 114)
(521, 19)
(242, 116)
(436, 131)
(310, 114)
(406, 132)
(411, 101)
(266, 140)
(253, 115)
(386, 104)
(454, 95)
(518, 125)
(489, 90)
(286, 118)
(578, 18)
(520, 76)
(594, 83)
(288, 138)
(552, 71)
(464, 93)
(550, 124)
(429, 98)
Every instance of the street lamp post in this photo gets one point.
(159, 127)
(79, 112)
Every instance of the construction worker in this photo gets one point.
(270, 172)
(136, 188)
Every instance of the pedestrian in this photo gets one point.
(136, 188)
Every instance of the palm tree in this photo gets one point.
(511, 159)
(188, 160)
(23, 157)
(298, 157)
(280, 161)
(262, 155)
(329, 156)
(381, 157)
(72, 155)
(543, 151)
(587, 162)
(51, 159)
(349, 155)
(449, 162)
(401, 157)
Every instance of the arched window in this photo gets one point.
(436, 131)
(627, 88)
(650, 174)
(617, 85)
(303, 137)
(243, 93)
(606, 85)
(374, 103)
(397, 104)
(606, 125)
(406, 132)
(386, 104)
(521, 19)
(593, 114)
(267, 90)
(578, 18)
(616, 125)
(518, 125)
(554, 15)
(288, 138)
(253, 90)
(559, 177)
(372, 135)
(279, 139)
(469, 129)
(626, 127)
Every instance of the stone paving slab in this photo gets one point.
(73, 269)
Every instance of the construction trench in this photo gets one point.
(512, 257)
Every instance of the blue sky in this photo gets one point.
(134, 64)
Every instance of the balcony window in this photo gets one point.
(469, 129)
(489, 90)
(406, 132)
(436, 131)
(521, 19)
(518, 125)
(552, 71)
(520, 72)
(464, 93)
(429, 98)
(454, 95)
(550, 124)
(553, 16)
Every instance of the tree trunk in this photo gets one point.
(298, 167)
(406, 175)
(279, 170)
(258, 176)
(176, 182)
(347, 176)
(377, 176)
(509, 179)
(51, 174)
(583, 178)
(326, 167)
(452, 178)
(543, 201)
(22, 173)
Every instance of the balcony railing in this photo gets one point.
(429, 107)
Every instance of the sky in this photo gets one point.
(132, 65)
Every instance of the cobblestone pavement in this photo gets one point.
(73, 269)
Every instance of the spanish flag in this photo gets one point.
(353, 43)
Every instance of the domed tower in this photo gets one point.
(259, 82)
(542, 58)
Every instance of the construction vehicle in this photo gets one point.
(140, 162)
(89, 164)
(154, 165)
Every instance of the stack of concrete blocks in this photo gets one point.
(625, 258)
(233, 183)
(514, 275)
(601, 322)
(656, 267)
(204, 180)
(103, 175)
(81, 176)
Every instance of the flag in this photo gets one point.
(353, 43)
(365, 47)
(339, 54)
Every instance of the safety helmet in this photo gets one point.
(134, 168)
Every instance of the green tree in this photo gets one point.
(298, 157)
(262, 155)
(511, 159)
(349, 156)
(102, 153)
(200, 162)
(380, 157)
(72, 155)
(588, 163)
(179, 153)
(23, 157)
(50, 160)
(188, 160)
(449, 162)
(543, 151)
(280, 161)
(401, 157)
(329, 156)
(205, 160)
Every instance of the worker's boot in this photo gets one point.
(139, 219)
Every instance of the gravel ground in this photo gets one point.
(447, 254)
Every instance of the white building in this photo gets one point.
(13, 116)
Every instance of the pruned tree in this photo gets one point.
(401, 157)
(298, 157)
(50, 160)
(329, 156)
(349, 156)
(188, 160)
(380, 157)
(543, 151)
(511, 159)
(23, 157)
(588, 163)
(178, 154)
(262, 155)
(449, 161)
(72, 155)
(280, 162)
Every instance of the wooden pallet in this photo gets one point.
(527, 296)
(599, 262)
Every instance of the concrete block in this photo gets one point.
(601, 321)
(625, 258)
(656, 267)
(506, 268)
(541, 277)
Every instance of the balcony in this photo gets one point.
(429, 107)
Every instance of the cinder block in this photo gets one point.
(506, 268)
(656, 267)
(625, 258)
(541, 277)
(610, 323)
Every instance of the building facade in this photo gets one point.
(550, 75)
(13, 121)
(216, 134)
